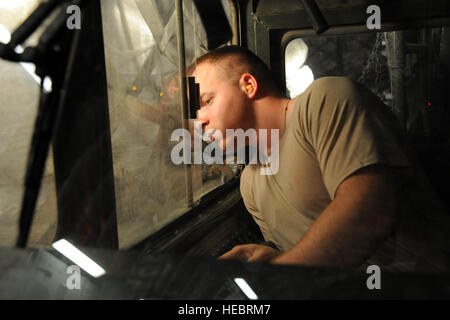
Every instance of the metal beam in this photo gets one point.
(284, 14)
(82, 145)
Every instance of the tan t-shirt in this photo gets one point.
(337, 127)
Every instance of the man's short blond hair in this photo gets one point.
(235, 61)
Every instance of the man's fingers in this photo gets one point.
(264, 254)
(238, 252)
(251, 253)
(235, 253)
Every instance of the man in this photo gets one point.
(339, 195)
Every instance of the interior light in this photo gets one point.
(295, 54)
(298, 75)
(83, 261)
(243, 285)
(298, 80)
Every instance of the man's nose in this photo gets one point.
(201, 116)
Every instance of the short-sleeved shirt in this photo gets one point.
(337, 127)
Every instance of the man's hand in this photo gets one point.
(252, 253)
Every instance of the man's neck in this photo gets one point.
(270, 113)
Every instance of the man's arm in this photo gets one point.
(352, 226)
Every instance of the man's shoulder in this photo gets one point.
(327, 88)
(333, 85)
(331, 81)
(321, 98)
(331, 95)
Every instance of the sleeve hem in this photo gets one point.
(361, 164)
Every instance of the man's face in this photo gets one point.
(223, 104)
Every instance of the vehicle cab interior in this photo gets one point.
(92, 91)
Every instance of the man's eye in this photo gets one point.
(206, 102)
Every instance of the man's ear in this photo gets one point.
(248, 85)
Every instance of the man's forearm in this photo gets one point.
(349, 229)
(333, 242)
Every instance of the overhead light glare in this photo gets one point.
(75, 255)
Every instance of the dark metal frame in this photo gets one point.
(82, 145)
(268, 26)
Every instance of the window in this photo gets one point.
(144, 102)
(407, 70)
(19, 92)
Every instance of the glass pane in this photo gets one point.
(19, 92)
(144, 100)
